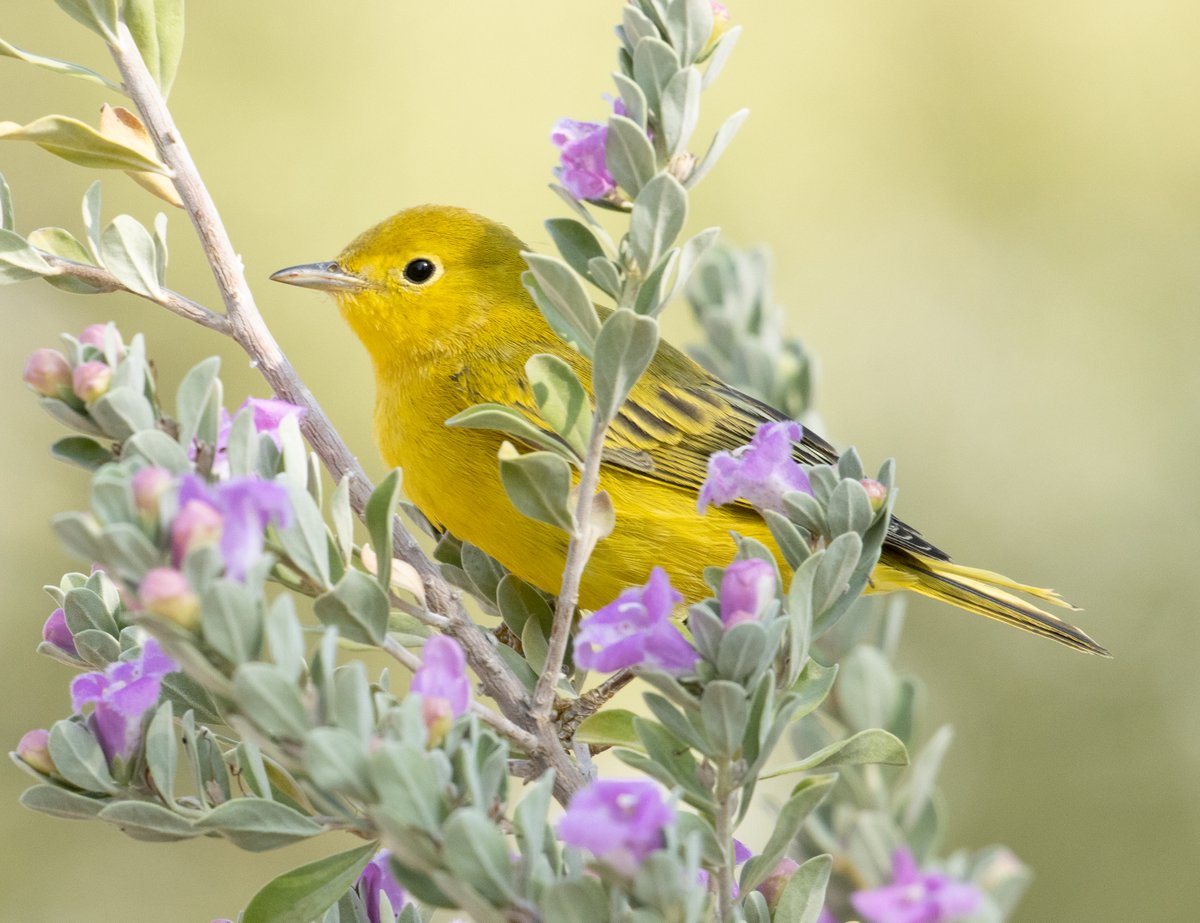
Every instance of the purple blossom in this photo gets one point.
(620, 823)
(915, 896)
(56, 631)
(582, 168)
(636, 629)
(267, 414)
(377, 879)
(246, 507)
(741, 855)
(442, 682)
(761, 472)
(121, 696)
(747, 588)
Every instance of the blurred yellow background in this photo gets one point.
(986, 223)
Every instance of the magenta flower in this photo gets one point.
(246, 507)
(636, 629)
(121, 696)
(267, 414)
(620, 823)
(47, 372)
(56, 631)
(915, 896)
(582, 169)
(761, 472)
(90, 380)
(442, 682)
(377, 879)
(747, 588)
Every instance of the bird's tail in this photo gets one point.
(986, 593)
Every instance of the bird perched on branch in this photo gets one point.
(435, 295)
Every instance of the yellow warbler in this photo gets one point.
(435, 295)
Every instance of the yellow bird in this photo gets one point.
(435, 295)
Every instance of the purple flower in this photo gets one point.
(636, 629)
(56, 631)
(267, 414)
(761, 472)
(47, 372)
(915, 896)
(246, 506)
(377, 879)
(122, 695)
(746, 589)
(741, 854)
(620, 823)
(582, 167)
(442, 683)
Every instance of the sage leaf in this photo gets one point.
(304, 893)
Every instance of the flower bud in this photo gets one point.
(90, 380)
(149, 484)
(165, 591)
(772, 887)
(56, 631)
(47, 372)
(720, 24)
(94, 334)
(876, 493)
(197, 524)
(746, 590)
(34, 751)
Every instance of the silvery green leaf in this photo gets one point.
(719, 56)
(743, 652)
(539, 485)
(609, 727)
(156, 448)
(557, 284)
(787, 823)
(658, 216)
(91, 219)
(869, 691)
(122, 412)
(357, 607)
(59, 802)
(380, 514)
(112, 498)
(125, 549)
(80, 144)
(336, 761)
(606, 274)
(80, 534)
(849, 509)
(559, 320)
(518, 602)
(804, 896)
(634, 99)
(833, 573)
(725, 711)
(256, 825)
(804, 510)
(924, 775)
(510, 421)
(636, 25)
(624, 349)
(232, 620)
(353, 710)
(293, 453)
(190, 695)
(68, 417)
(707, 630)
(157, 28)
(241, 444)
(628, 154)
(268, 698)
(78, 758)
(476, 851)
(85, 609)
(162, 758)
(576, 900)
(873, 745)
(578, 208)
(690, 256)
(576, 242)
(7, 216)
(560, 399)
(98, 15)
(654, 64)
(343, 518)
(62, 243)
(249, 764)
(680, 106)
(720, 141)
(127, 249)
(407, 783)
(18, 260)
(198, 391)
(689, 24)
(305, 539)
(652, 294)
(673, 765)
(305, 893)
(518, 665)
(284, 636)
(534, 645)
(677, 723)
(530, 822)
(97, 648)
(149, 822)
(849, 465)
(484, 570)
(789, 539)
(754, 906)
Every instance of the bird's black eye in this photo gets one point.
(419, 270)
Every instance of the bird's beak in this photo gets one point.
(324, 277)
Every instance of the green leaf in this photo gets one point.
(357, 606)
(636, 108)
(870, 746)
(848, 509)
(157, 27)
(534, 645)
(74, 141)
(62, 243)
(539, 486)
(743, 651)
(720, 141)
(577, 900)
(335, 760)
(343, 517)
(569, 303)
(576, 242)
(78, 758)
(725, 711)
(264, 694)
(59, 802)
(91, 219)
(476, 852)
(484, 570)
(97, 648)
(85, 609)
(628, 154)
(98, 15)
(689, 24)
(832, 578)
(606, 274)
(285, 639)
(128, 251)
(654, 64)
(256, 825)
(652, 294)
(82, 451)
(626, 344)
(198, 390)
(122, 412)
(7, 217)
(561, 399)
(306, 539)
(529, 820)
(690, 256)
(18, 260)
(162, 756)
(380, 513)
(680, 110)
(507, 420)
(869, 692)
(150, 822)
(718, 57)
(79, 533)
(57, 66)
(232, 620)
(611, 727)
(158, 449)
(658, 216)
(636, 26)
(924, 775)
(787, 823)
(303, 894)
(804, 897)
(518, 602)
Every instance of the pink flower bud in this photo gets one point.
(720, 24)
(197, 524)
(746, 590)
(47, 372)
(876, 493)
(165, 591)
(772, 888)
(90, 380)
(94, 336)
(34, 751)
(149, 484)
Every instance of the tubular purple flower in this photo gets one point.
(760, 473)
(582, 169)
(56, 631)
(635, 629)
(47, 372)
(376, 879)
(619, 822)
(269, 413)
(747, 589)
(442, 683)
(121, 696)
(915, 896)
(34, 750)
(246, 507)
(90, 381)
(166, 592)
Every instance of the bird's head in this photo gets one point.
(421, 280)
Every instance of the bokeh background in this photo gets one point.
(986, 223)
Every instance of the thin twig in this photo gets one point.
(248, 329)
(590, 702)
